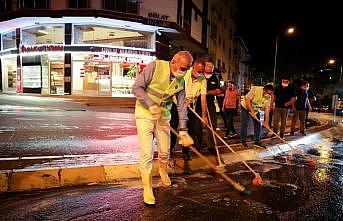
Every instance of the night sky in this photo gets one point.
(318, 34)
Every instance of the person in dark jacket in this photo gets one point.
(312, 98)
(284, 98)
(213, 89)
(299, 108)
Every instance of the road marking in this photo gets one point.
(40, 157)
(63, 156)
(9, 158)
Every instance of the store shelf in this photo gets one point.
(56, 78)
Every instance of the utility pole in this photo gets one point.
(275, 58)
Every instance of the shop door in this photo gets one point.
(97, 79)
(32, 79)
(9, 80)
(56, 77)
(104, 78)
(31, 74)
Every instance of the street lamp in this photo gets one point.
(332, 62)
(289, 31)
(335, 97)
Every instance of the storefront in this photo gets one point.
(43, 74)
(9, 74)
(103, 74)
(98, 61)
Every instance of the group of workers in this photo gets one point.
(179, 95)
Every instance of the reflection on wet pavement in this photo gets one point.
(291, 190)
(55, 132)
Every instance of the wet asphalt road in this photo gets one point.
(291, 191)
(61, 128)
(45, 126)
(32, 131)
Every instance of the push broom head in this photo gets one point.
(311, 163)
(257, 181)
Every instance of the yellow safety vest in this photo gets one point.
(160, 90)
(258, 100)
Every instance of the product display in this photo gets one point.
(12, 76)
(56, 78)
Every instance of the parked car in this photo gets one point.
(315, 109)
(324, 109)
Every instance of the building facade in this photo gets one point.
(97, 47)
(241, 58)
(226, 48)
(222, 27)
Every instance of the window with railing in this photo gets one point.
(126, 6)
(187, 13)
(34, 4)
(5, 6)
(213, 31)
(78, 3)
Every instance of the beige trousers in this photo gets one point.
(280, 117)
(299, 114)
(147, 129)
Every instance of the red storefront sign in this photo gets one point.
(41, 48)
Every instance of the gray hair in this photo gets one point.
(183, 54)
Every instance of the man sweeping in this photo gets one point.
(196, 99)
(154, 89)
(256, 103)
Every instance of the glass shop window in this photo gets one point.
(45, 34)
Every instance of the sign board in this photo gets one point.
(162, 10)
(41, 48)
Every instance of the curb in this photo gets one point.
(26, 180)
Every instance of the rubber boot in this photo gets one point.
(164, 174)
(148, 194)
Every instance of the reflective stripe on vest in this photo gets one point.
(160, 90)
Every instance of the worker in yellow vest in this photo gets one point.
(257, 104)
(195, 88)
(154, 89)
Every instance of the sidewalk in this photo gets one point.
(69, 101)
(44, 172)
